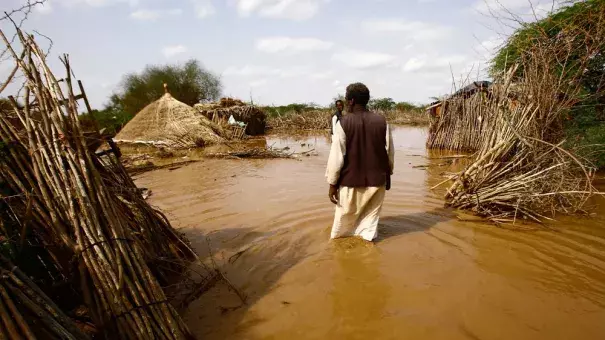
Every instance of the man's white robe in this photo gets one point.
(358, 209)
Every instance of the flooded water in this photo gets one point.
(433, 274)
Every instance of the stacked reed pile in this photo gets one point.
(87, 213)
(26, 311)
(521, 169)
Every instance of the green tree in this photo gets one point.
(190, 83)
(382, 104)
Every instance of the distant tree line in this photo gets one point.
(191, 83)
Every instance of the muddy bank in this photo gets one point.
(433, 274)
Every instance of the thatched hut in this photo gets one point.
(457, 122)
(169, 122)
(219, 112)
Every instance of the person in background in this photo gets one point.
(337, 115)
(359, 167)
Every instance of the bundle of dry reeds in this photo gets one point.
(517, 174)
(88, 211)
(521, 170)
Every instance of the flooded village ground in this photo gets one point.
(434, 273)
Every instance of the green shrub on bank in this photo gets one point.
(585, 132)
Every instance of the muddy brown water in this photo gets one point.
(433, 274)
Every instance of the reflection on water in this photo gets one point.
(433, 274)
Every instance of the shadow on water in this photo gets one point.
(253, 262)
(393, 226)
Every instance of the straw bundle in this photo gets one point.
(169, 122)
(94, 224)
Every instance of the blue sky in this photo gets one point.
(279, 51)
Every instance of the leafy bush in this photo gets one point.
(298, 108)
(585, 131)
(381, 104)
(189, 83)
(571, 24)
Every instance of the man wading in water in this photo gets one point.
(337, 115)
(359, 167)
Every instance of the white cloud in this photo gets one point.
(284, 9)
(154, 14)
(44, 8)
(295, 71)
(515, 6)
(434, 64)
(416, 30)
(363, 59)
(97, 3)
(321, 75)
(247, 71)
(255, 71)
(258, 83)
(454, 59)
(203, 8)
(174, 50)
(414, 64)
(293, 45)
(487, 48)
(107, 85)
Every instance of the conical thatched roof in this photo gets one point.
(170, 122)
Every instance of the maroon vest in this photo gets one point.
(366, 162)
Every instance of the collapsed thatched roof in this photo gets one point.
(465, 92)
(170, 122)
(251, 115)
